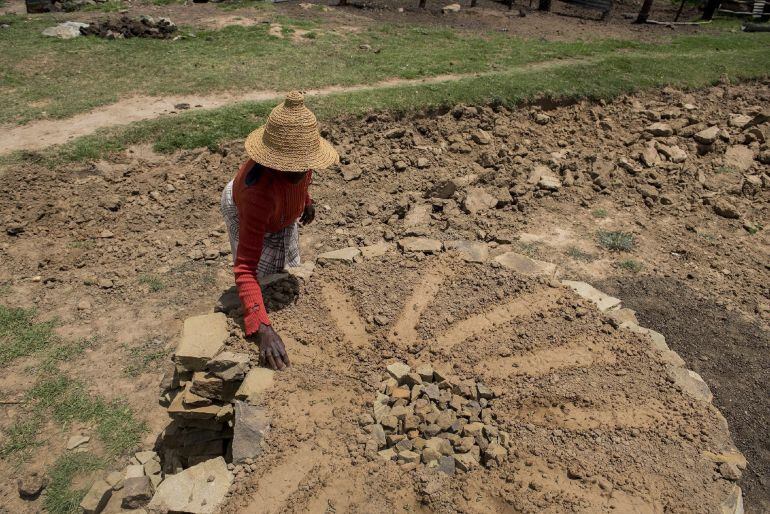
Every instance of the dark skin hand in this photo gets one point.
(308, 215)
(272, 352)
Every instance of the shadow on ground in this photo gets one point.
(729, 352)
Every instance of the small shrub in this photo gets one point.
(579, 255)
(616, 241)
(154, 283)
(630, 265)
(599, 213)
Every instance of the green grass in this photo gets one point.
(20, 336)
(630, 265)
(60, 498)
(153, 282)
(688, 62)
(144, 356)
(616, 241)
(599, 213)
(579, 255)
(48, 77)
(56, 397)
(724, 169)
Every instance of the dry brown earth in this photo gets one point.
(581, 398)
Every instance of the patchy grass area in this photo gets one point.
(19, 336)
(57, 398)
(688, 62)
(60, 498)
(153, 283)
(45, 77)
(616, 241)
(630, 265)
(145, 356)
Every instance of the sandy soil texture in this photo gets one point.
(595, 424)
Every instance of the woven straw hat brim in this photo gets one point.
(323, 157)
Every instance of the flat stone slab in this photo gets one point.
(304, 271)
(469, 251)
(376, 250)
(199, 489)
(589, 292)
(344, 255)
(257, 381)
(96, 498)
(251, 425)
(202, 338)
(179, 409)
(691, 383)
(523, 264)
(420, 244)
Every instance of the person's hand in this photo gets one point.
(308, 215)
(272, 353)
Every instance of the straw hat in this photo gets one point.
(290, 140)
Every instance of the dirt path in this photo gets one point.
(44, 133)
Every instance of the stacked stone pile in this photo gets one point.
(210, 393)
(421, 417)
(216, 429)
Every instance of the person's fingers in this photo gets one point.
(285, 356)
(271, 360)
(278, 362)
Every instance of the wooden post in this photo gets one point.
(644, 13)
(710, 9)
(422, 4)
(679, 12)
(343, 3)
(473, 3)
(544, 5)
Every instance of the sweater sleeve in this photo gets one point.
(251, 237)
(308, 199)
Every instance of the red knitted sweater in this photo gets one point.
(266, 202)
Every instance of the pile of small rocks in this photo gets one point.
(126, 27)
(420, 416)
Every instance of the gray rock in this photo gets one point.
(115, 479)
(199, 489)
(375, 250)
(96, 498)
(443, 189)
(342, 255)
(398, 370)
(351, 172)
(202, 338)
(250, 427)
(257, 381)
(377, 433)
(469, 251)
(66, 30)
(446, 464)
(726, 209)
(739, 157)
(707, 136)
(660, 129)
(152, 467)
(739, 120)
(730, 471)
(30, 486)
(408, 456)
(478, 199)
(134, 470)
(602, 301)
(690, 383)
(77, 440)
(524, 265)
(420, 244)
(466, 461)
(137, 492)
(229, 366)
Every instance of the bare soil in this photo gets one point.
(596, 425)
